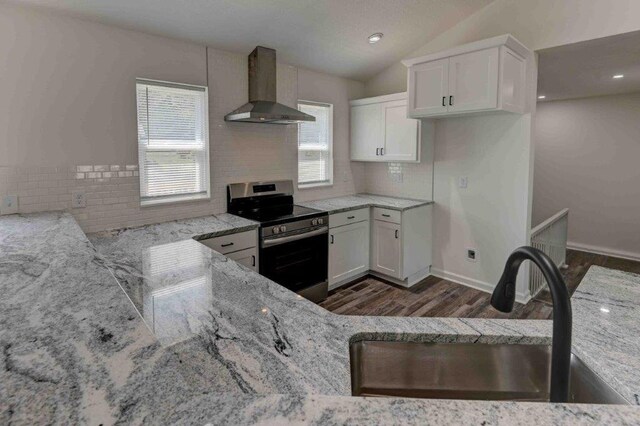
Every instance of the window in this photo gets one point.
(315, 145)
(173, 142)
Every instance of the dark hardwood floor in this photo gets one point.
(435, 297)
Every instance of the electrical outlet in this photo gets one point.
(9, 204)
(472, 255)
(78, 200)
(463, 182)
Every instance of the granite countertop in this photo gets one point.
(230, 346)
(358, 201)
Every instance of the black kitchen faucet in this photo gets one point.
(504, 295)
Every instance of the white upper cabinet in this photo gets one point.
(429, 87)
(381, 131)
(366, 132)
(484, 76)
(401, 134)
(473, 81)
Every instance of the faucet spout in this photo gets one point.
(504, 295)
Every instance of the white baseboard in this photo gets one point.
(473, 283)
(410, 281)
(605, 251)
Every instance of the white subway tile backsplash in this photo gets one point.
(115, 168)
(101, 168)
(84, 169)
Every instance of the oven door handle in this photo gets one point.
(283, 240)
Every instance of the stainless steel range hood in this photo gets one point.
(262, 106)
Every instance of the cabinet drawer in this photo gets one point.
(345, 218)
(232, 242)
(387, 215)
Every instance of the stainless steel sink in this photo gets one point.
(468, 371)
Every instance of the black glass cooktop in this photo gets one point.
(280, 214)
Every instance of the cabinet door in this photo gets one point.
(248, 258)
(428, 88)
(401, 134)
(386, 248)
(366, 132)
(348, 251)
(473, 81)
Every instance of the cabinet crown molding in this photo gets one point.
(378, 99)
(502, 40)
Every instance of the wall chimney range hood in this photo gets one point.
(262, 106)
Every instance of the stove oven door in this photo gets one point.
(298, 262)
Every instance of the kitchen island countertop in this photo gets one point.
(225, 345)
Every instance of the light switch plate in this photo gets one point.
(9, 204)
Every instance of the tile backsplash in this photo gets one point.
(112, 195)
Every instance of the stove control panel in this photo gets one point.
(294, 227)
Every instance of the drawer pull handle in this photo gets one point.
(386, 215)
(332, 239)
(253, 260)
(396, 234)
(351, 217)
(226, 245)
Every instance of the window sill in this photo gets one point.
(174, 200)
(315, 185)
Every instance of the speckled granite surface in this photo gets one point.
(358, 201)
(232, 348)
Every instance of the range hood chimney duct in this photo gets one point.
(262, 106)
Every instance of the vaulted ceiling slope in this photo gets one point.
(323, 35)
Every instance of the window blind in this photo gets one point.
(315, 158)
(173, 146)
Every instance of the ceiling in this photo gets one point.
(587, 68)
(323, 35)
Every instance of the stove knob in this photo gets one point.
(283, 228)
(276, 230)
(314, 222)
(321, 221)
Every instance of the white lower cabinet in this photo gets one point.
(401, 244)
(248, 258)
(386, 249)
(393, 244)
(241, 247)
(348, 246)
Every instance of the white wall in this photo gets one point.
(587, 153)
(68, 101)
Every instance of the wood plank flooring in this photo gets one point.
(435, 297)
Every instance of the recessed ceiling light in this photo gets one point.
(541, 97)
(374, 38)
(618, 76)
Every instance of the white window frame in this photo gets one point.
(180, 198)
(330, 135)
